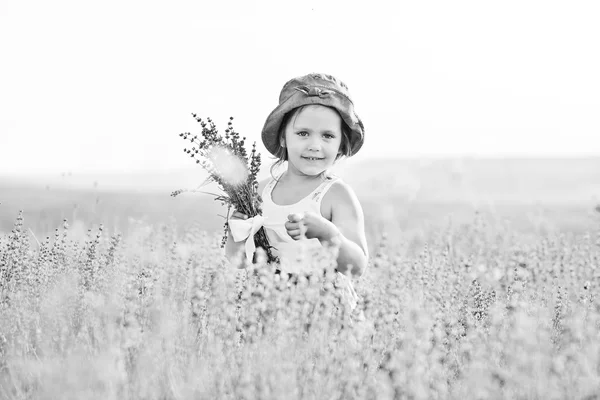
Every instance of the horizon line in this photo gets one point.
(404, 157)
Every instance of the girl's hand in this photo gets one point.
(238, 215)
(310, 225)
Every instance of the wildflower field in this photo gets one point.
(484, 304)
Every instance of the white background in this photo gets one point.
(109, 85)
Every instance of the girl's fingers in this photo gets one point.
(297, 217)
(297, 234)
(294, 233)
(239, 215)
(292, 225)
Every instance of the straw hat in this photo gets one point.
(314, 88)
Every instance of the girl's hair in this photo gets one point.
(281, 153)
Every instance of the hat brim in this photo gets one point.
(343, 105)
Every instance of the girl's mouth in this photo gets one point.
(312, 158)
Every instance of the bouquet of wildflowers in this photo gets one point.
(228, 164)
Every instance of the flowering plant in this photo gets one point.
(227, 162)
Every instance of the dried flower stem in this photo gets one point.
(235, 172)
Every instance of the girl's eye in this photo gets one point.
(329, 136)
(302, 133)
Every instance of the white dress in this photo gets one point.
(285, 247)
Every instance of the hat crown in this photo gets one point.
(314, 83)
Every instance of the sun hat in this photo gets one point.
(314, 88)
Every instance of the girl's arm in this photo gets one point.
(349, 221)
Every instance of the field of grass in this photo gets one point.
(474, 290)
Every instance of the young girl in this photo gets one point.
(313, 126)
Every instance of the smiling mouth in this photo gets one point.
(312, 158)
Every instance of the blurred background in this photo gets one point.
(405, 199)
(469, 107)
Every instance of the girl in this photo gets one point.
(313, 126)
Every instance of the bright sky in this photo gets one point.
(89, 86)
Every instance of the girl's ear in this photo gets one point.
(282, 142)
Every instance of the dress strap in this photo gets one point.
(266, 193)
(322, 189)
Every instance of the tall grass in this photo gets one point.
(478, 312)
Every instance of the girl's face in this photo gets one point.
(312, 138)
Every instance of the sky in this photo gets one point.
(108, 86)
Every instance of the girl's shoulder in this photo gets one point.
(341, 193)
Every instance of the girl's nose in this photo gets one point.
(315, 145)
